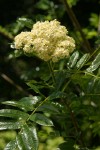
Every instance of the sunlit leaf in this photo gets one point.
(32, 100)
(13, 114)
(94, 19)
(95, 64)
(20, 143)
(82, 61)
(73, 59)
(30, 136)
(27, 139)
(41, 119)
(26, 22)
(11, 145)
(34, 138)
(26, 103)
(4, 125)
(19, 105)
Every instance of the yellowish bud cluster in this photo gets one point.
(47, 40)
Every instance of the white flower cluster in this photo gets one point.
(47, 40)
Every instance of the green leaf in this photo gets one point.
(82, 61)
(11, 145)
(17, 53)
(73, 59)
(60, 77)
(34, 85)
(13, 114)
(26, 103)
(57, 94)
(4, 125)
(32, 100)
(19, 104)
(41, 119)
(26, 22)
(20, 143)
(43, 4)
(95, 64)
(48, 107)
(27, 139)
(91, 86)
(30, 135)
(35, 138)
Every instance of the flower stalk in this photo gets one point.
(52, 72)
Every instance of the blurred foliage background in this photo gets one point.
(15, 71)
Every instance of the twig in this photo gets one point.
(6, 34)
(52, 72)
(77, 26)
(18, 87)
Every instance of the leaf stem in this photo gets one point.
(65, 86)
(37, 108)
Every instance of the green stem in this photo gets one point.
(52, 72)
(34, 112)
(37, 108)
(66, 85)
